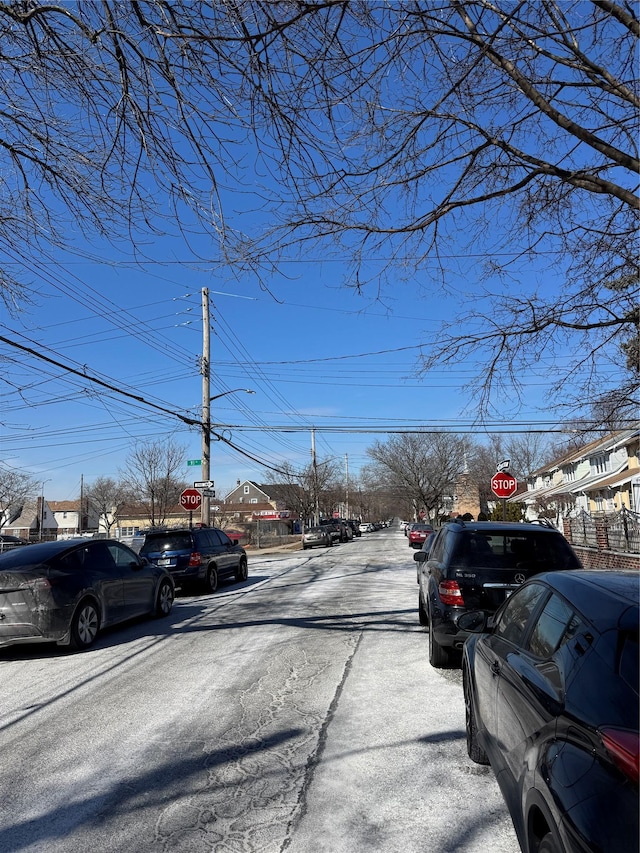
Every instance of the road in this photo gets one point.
(295, 712)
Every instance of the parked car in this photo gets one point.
(551, 698)
(7, 542)
(366, 527)
(197, 558)
(314, 536)
(426, 548)
(475, 565)
(355, 527)
(418, 534)
(67, 590)
(334, 530)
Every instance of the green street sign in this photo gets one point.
(194, 462)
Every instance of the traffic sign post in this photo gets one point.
(503, 485)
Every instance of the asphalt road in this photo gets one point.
(295, 712)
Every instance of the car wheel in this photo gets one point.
(423, 616)
(305, 547)
(164, 599)
(548, 844)
(474, 750)
(242, 571)
(438, 656)
(84, 625)
(210, 583)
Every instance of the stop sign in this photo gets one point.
(190, 499)
(503, 485)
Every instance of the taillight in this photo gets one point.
(624, 747)
(195, 559)
(37, 584)
(450, 593)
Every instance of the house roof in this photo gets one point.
(64, 506)
(611, 441)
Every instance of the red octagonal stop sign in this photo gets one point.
(503, 485)
(190, 499)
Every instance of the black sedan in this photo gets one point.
(65, 591)
(551, 697)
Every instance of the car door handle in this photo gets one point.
(495, 668)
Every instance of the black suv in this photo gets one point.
(475, 565)
(196, 558)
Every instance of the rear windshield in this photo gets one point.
(508, 551)
(167, 542)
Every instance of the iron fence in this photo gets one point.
(618, 531)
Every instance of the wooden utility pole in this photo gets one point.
(206, 403)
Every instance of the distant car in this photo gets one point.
(355, 527)
(426, 547)
(334, 530)
(551, 699)
(315, 536)
(7, 542)
(197, 558)
(366, 527)
(418, 534)
(475, 565)
(67, 590)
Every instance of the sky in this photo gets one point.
(323, 360)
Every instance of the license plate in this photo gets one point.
(165, 562)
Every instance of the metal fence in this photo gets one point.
(618, 531)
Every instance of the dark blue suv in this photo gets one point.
(196, 558)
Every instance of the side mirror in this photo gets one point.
(420, 556)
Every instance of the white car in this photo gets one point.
(366, 527)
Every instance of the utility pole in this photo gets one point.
(206, 402)
(81, 504)
(316, 496)
(346, 477)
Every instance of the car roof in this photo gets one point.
(601, 595)
(42, 551)
(502, 527)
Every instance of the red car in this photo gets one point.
(418, 533)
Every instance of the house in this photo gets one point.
(602, 476)
(252, 493)
(35, 522)
(73, 518)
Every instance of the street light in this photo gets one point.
(233, 391)
(206, 442)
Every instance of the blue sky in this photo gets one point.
(318, 355)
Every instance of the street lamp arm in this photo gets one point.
(232, 391)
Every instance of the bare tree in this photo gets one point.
(421, 468)
(107, 497)
(304, 489)
(151, 477)
(15, 489)
(393, 130)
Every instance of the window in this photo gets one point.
(513, 619)
(253, 501)
(121, 556)
(600, 464)
(246, 490)
(556, 625)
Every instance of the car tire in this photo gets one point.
(242, 571)
(164, 599)
(423, 616)
(438, 656)
(305, 547)
(85, 625)
(474, 750)
(210, 583)
(548, 844)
